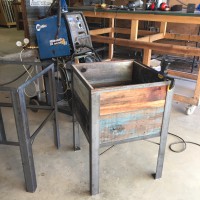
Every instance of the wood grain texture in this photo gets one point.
(140, 123)
(133, 99)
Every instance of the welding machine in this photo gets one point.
(70, 37)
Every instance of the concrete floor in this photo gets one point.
(125, 170)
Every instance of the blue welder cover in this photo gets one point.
(49, 45)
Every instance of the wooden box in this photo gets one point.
(119, 101)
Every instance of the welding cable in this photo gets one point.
(63, 74)
(50, 8)
(58, 20)
(15, 79)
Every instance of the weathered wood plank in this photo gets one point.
(81, 90)
(133, 99)
(130, 125)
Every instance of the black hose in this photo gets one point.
(15, 79)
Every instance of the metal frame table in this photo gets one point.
(21, 119)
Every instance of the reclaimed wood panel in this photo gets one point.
(136, 124)
(81, 90)
(132, 99)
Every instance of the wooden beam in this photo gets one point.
(197, 89)
(151, 38)
(184, 37)
(101, 31)
(134, 30)
(182, 74)
(111, 35)
(144, 17)
(164, 48)
(123, 30)
(163, 27)
(147, 56)
(128, 31)
(145, 32)
(184, 99)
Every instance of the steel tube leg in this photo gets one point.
(2, 130)
(21, 119)
(54, 106)
(94, 145)
(94, 168)
(76, 134)
(164, 132)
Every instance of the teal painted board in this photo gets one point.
(117, 127)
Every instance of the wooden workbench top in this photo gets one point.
(139, 11)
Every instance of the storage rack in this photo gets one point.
(6, 13)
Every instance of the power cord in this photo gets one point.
(170, 146)
(175, 143)
(181, 142)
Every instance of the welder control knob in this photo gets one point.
(79, 25)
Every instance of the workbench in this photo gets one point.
(148, 40)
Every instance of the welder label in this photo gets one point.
(61, 41)
(40, 2)
(40, 26)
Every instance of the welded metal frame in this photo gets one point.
(21, 119)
